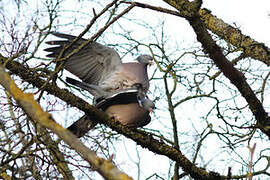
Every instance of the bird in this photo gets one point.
(101, 66)
(130, 114)
(123, 106)
(131, 107)
(141, 95)
(119, 89)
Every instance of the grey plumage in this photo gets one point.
(99, 65)
(119, 88)
(134, 113)
(147, 104)
(95, 90)
(134, 116)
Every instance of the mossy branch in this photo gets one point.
(236, 77)
(27, 102)
(143, 139)
(250, 47)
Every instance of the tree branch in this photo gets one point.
(249, 46)
(106, 168)
(143, 139)
(230, 34)
(236, 77)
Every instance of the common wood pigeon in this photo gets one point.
(101, 66)
(123, 106)
(130, 106)
(119, 88)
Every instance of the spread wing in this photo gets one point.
(91, 64)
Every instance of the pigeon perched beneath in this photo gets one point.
(131, 106)
(101, 66)
(125, 109)
(123, 106)
(131, 114)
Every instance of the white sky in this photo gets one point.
(253, 19)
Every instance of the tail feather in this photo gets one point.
(72, 81)
(93, 89)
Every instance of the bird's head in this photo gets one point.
(145, 59)
(147, 104)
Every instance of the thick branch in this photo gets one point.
(106, 168)
(142, 139)
(4, 175)
(236, 77)
(232, 35)
(58, 157)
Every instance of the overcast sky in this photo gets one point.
(252, 18)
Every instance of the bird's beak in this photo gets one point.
(151, 63)
(150, 110)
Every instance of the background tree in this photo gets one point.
(212, 96)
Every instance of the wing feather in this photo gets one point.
(91, 64)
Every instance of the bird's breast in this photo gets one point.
(128, 114)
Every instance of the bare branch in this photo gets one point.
(227, 32)
(33, 109)
(215, 53)
(142, 139)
